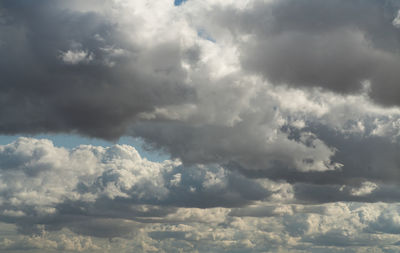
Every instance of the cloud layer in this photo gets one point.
(281, 119)
(69, 200)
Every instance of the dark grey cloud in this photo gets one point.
(75, 71)
(369, 171)
(245, 143)
(273, 123)
(82, 73)
(336, 45)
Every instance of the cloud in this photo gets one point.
(365, 189)
(305, 44)
(281, 119)
(85, 72)
(112, 193)
(47, 242)
(396, 21)
(109, 73)
(107, 188)
(75, 57)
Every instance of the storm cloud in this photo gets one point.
(67, 70)
(338, 46)
(280, 118)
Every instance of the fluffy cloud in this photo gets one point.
(304, 43)
(75, 57)
(273, 113)
(396, 21)
(106, 72)
(69, 200)
(86, 68)
(47, 184)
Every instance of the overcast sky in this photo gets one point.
(200, 126)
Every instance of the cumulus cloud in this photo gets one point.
(90, 70)
(122, 74)
(112, 192)
(305, 44)
(281, 119)
(47, 184)
(62, 200)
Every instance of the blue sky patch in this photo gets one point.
(179, 2)
(203, 34)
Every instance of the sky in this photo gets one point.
(200, 126)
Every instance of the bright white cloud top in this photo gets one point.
(281, 118)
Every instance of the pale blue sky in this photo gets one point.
(179, 2)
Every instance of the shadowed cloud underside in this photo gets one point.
(277, 125)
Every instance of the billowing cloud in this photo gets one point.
(68, 69)
(83, 188)
(281, 119)
(64, 200)
(337, 45)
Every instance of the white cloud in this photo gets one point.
(33, 173)
(365, 189)
(248, 149)
(176, 180)
(396, 20)
(76, 56)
